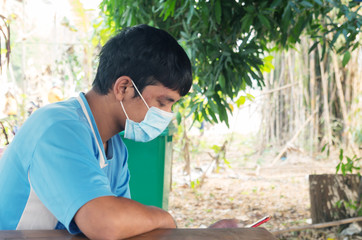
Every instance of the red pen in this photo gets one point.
(260, 222)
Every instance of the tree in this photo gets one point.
(5, 34)
(229, 41)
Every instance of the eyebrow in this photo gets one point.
(167, 98)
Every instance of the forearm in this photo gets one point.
(117, 218)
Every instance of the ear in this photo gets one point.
(121, 87)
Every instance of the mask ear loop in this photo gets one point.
(124, 109)
(140, 94)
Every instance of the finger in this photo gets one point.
(225, 223)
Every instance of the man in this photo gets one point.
(67, 166)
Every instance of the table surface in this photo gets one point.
(172, 234)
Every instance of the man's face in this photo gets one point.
(155, 96)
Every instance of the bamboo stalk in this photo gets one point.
(277, 100)
(318, 225)
(332, 94)
(267, 112)
(300, 107)
(317, 143)
(346, 132)
(356, 89)
(312, 84)
(302, 89)
(340, 90)
(271, 116)
(267, 103)
(291, 96)
(186, 150)
(348, 72)
(289, 85)
(325, 100)
(293, 138)
(276, 118)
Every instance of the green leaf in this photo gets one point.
(263, 20)
(335, 37)
(318, 2)
(224, 117)
(341, 154)
(346, 58)
(324, 47)
(276, 3)
(247, 21)
(168, 10)
(267, 67)
(241, 100)
(343, 169)
(306, 4)
(218, 11)
(268, 58)
(313, 47)
(250, 97)
(338, 167)
(204, 13)
(213, 106)
(178, 118)
(324, 147)
(227, 162)
(339, 203)
(243, 30)
(193, 108)
(213, 116)
(193, 184)
(286, 17)
(222, 82)
(216, 148)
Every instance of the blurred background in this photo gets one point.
(277, 93)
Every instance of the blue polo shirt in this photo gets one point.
(52, 168)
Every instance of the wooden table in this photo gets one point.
(172, 234)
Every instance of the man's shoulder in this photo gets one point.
(54, 117)
(65, 110)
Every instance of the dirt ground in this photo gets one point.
(249, 189)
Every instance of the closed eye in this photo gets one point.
(161, 104)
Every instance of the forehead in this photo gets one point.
(160, 91)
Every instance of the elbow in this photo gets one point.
(106, 229)
(118, 218)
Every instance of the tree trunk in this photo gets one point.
(325, 192)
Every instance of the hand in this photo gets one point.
(225, 223)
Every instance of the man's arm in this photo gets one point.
(116, 218)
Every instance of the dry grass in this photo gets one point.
(247, 192)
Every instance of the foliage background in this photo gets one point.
(302, 55)
(287, 61)
(300, 49)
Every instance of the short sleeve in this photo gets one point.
(65, 173)
(123, 188)
(119, 168)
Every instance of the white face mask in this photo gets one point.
(154, 123)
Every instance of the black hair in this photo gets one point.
(148, 56)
